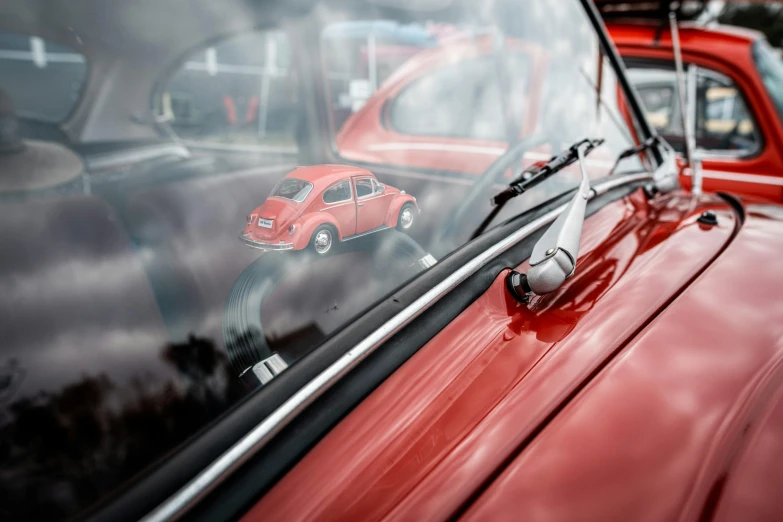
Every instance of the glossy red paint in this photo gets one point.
(289, 220)
(674, 427)
(618, 396)
(727, 50)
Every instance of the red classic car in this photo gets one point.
(733, 81)
(314, 206)
(609, 350)
(413, 119)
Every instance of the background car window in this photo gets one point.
(241, 91)
(770, 67)
(363, 188)
(360, 56)
(722, 120)
(44, 79)
(434, 104)
(339, 192)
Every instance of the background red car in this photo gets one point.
(732, 79)
(313, 206)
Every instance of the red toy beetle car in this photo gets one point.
(313, 206)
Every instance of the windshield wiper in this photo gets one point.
(554, 256)
(535, 175)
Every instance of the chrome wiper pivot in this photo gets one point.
(554, 255)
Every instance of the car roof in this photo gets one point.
(652, 33)
(321, 176)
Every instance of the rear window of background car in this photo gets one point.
(434, 104)
(44, 79)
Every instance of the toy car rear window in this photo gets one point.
(293, 189)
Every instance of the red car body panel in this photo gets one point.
(350, 217)
(726, 50)
(623, 365)
(659, 433)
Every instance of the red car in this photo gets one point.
(314, 206)
(412, 120)
(734, 82)
(388, 128)
(607, 348)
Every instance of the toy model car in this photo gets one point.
(318, 205)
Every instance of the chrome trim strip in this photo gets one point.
(235, 147)
(471, 149)
(253, 441)
(741, 177)
(261, 245)
(374, 230)
(439, 147)
(106, 160)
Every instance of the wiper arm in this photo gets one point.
(554, 255)
(535, 175)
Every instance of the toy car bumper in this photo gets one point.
(262, 245)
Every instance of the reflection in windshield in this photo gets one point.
(129, 307)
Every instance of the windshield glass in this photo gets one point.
(770, 66)
(293, 189)
(148, 281)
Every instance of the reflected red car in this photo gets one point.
(318, 205)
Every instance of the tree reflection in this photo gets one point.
(64, 451)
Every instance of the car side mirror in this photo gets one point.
(381, 188)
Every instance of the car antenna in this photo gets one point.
(687, 125)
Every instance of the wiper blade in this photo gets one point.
(538, 173)
(535, 175)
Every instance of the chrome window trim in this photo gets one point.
(372, 185)
(330, 187)
(257, 438)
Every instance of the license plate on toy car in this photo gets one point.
(266, 223)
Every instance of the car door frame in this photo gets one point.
(759, 174)
(376, 204)
(326, 207)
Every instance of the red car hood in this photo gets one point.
(624, 395)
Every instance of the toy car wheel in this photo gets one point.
(323, 239)
(407, 217)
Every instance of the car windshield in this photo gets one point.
(148, 282)
(770, 67)
(293, 189)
